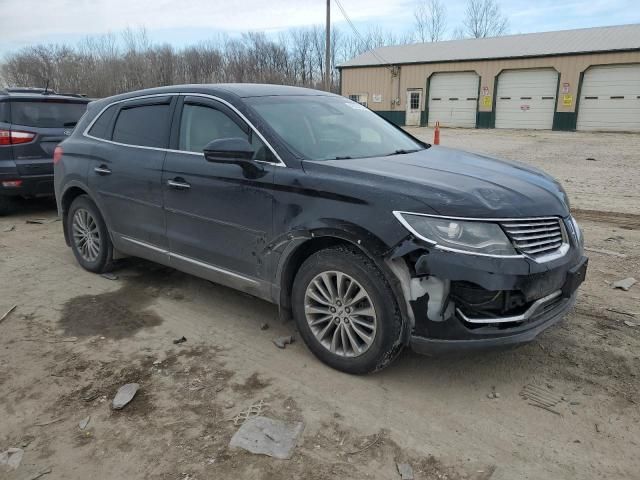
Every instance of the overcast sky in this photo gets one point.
(181, 22)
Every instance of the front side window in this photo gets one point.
(201, 125)
(46, 113)
(143, 125)
(327, 127)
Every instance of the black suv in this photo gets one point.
(368, 237)
(32, 122)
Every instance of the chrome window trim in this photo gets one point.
(562, 250)
(85, 133)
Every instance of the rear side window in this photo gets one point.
(4, 112)
(100, 128)
(145, 125)
(46, 114)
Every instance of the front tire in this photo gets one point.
(89, 236)
(346, 311)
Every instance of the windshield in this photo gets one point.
(323, 127)
(46, 114)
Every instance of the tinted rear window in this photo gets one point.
(100, 128)
(146, 125)
(47, 114)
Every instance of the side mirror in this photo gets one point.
(228, 150)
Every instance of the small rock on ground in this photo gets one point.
(125, 395)
(84, 422)
(264, 326)
(405, 470)
(180, 340)
(267, 436)
(282, 342)
(625, 284)
(11, 457)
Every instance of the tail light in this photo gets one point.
(57, 154)
(15, 137)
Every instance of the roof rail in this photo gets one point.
(28, 90)
(77, 95)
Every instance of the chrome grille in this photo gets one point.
(535, 236)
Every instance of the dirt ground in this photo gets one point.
(75, 337)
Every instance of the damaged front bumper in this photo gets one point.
(464, 302)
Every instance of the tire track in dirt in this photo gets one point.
(623, 220)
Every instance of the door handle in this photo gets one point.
(102, 170)
(178, 183)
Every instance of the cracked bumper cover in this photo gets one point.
(535, 280)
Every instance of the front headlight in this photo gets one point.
(461, 235)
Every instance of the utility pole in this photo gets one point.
(327, 51)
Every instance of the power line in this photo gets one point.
(357, 33)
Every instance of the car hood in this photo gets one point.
(458, 183)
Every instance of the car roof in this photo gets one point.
(239, 90)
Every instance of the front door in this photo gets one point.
(414, 101)
(218, 215)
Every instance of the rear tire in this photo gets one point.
(346, 311)
(89, 236)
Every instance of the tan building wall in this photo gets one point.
(393, 82)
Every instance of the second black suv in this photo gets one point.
(32, 122)
(368, 237)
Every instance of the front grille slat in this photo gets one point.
(516, 231)
(535, 244)
(546, 248)
(529, 223)
(518, 238)
(535, 237)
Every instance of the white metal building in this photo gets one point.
(586, 79)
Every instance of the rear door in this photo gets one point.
(126, 172)
(219, 215)
(46, 120)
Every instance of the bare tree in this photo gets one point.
(106, 65)
(484, 18)
(430, 21)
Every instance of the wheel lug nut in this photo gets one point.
(337, 319)
(332, 310)
(348, 310)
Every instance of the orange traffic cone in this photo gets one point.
(436, 134)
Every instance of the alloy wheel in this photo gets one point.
(340, 314)
(86, 235)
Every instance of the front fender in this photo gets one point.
(289, 251)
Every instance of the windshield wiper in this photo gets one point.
(342, 158)
(402, 152)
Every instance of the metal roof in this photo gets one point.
(596, 39)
